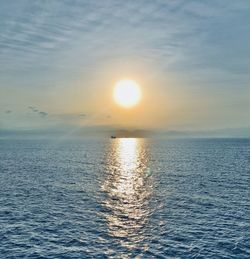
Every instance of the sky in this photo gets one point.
(59, 61)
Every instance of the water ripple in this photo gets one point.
(125, 198)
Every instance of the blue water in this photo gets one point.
(124, 198)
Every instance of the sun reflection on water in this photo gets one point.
(128, 188)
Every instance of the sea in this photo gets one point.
(125, 198)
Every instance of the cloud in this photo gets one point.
(63, 116)
(36, 110)
(43, 114)
(203, 44)
(174, 34)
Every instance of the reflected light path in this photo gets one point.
(128, 188)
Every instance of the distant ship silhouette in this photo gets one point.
(113, 137)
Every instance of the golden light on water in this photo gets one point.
(127, 93)
(128, 186)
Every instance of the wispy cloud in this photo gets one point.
(37, 111)
(52, 35)
(43, 114)
(34, 109)
(45, 45)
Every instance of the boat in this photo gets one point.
(113, 137)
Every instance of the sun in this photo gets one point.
(127, 93)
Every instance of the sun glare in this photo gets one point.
(127, 93)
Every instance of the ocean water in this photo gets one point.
(125, 198)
